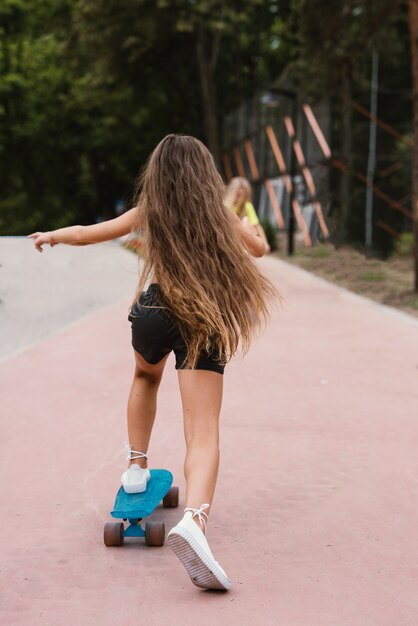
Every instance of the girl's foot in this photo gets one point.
(190, 545)
(136, 478)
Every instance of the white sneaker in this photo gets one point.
(190, 545)
(135, 479)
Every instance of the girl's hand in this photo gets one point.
(40, 239)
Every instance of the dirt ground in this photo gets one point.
(389, 282)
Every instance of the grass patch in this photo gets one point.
(298, 253)
(319, 252)
(412, 301)
(372, 276)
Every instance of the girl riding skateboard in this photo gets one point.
(200, 295)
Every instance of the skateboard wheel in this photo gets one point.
(154, 533)
(113, 534)
(171, 500)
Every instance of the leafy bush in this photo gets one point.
(405, 244)
(270, 231)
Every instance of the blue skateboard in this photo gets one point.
(134, 507)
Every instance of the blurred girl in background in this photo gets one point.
(238, 198)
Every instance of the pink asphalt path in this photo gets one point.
(316, 511)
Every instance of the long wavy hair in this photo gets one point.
(193, 249)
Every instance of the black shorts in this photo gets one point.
(155, 333)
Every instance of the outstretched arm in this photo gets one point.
(84, 235)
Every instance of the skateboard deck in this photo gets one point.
(140, 505)
(134, 507)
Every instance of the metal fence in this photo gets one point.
(281, 147)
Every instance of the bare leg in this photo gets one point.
(201, 395)
(142, 404)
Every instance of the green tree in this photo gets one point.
(40, 135)
(88, 88)
(204, 55)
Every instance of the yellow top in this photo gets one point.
(248, 210)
